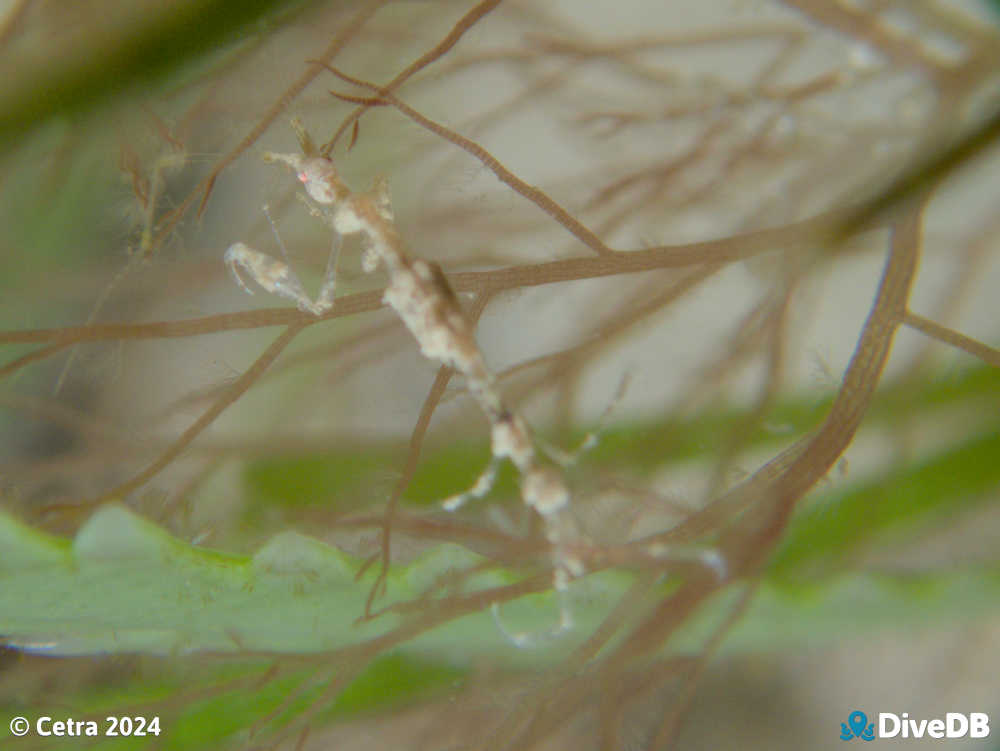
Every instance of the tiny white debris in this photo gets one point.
(864, 57)
(714, 560)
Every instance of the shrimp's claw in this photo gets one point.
(235, 256)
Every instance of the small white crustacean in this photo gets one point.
(418, 291)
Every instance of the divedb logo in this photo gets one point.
(889, 725)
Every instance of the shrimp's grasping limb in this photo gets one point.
(273, 276)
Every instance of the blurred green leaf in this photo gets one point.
(330, 480)
(125, 585)
(115, 48)
(843, 523)
(128, 586)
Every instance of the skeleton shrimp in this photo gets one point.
(419, 293)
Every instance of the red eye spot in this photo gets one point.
(303, 177)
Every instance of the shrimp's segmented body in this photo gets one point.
(421, 296)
